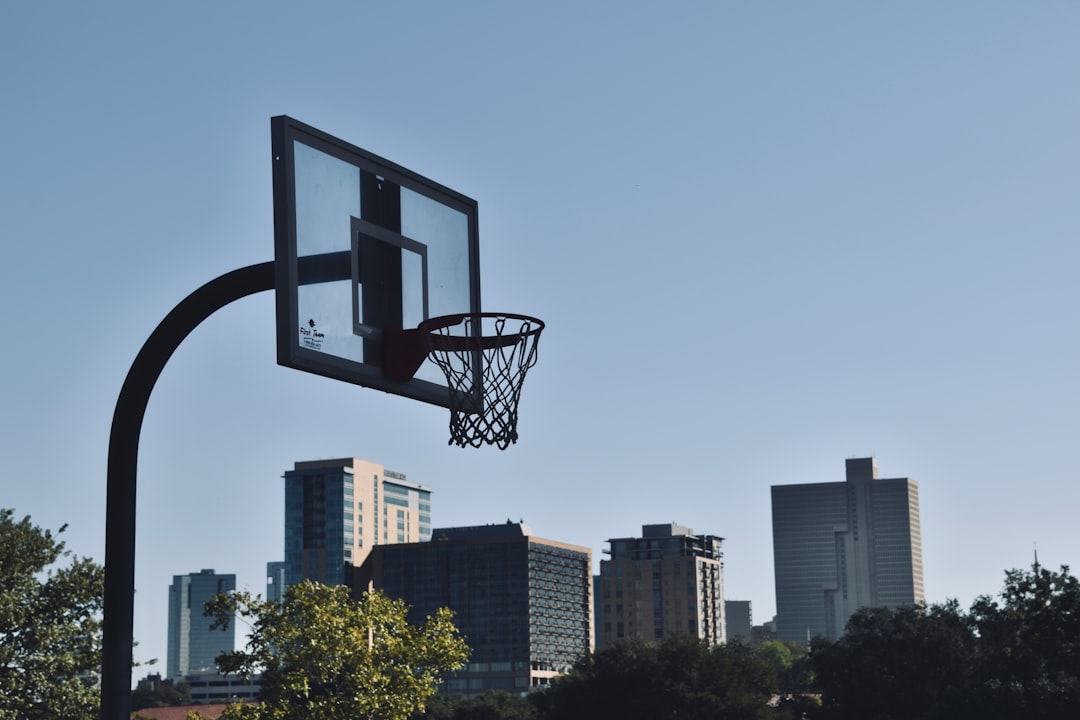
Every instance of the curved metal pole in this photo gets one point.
(119, 610)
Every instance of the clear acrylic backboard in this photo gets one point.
(362, 244)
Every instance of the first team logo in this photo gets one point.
(310, 337)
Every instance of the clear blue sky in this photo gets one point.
(765, 237)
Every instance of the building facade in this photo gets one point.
(206, 688)
(336, 511)
(275, 580)
(215, 688)
(523, 603)
(740, 621)
(844, 545)
(192, 645)
(667, 582)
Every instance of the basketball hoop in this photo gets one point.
(485, 357)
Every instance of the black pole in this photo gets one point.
(116, 656)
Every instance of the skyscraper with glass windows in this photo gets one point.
(336, 511)
(523, 603)
(192, 645)
(844, 545)
(275, 580)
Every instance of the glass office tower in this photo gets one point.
(192, 645)
(523, 603)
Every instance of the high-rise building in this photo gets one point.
(844, 545)
(275, 580)
(522, 603)
(667, 582)
(336, 511)
(740, 621)
(192, 645)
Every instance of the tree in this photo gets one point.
(492, 705)
(1017, 658)
(497, 705)
(154, 692)
(911, 663)
(790, 661)
(441, 706)
(50, 625)
(680, 677)
(326, 656)
(1029, 660)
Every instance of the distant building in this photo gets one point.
(215, 688)
(192, 645)
(763, 632)
(336, 511)
(207, 687)
(275, 580)
(739, 619)
(841, 546)
(598, 629)
(667, 582)
(523, 603)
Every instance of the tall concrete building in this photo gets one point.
(668, 581)
(336, 511)
(192, 645)
(841, 546)
(523, 603)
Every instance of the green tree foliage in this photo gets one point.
(790, 661)
(1017, 658)
(1029, 664)
(777, 654)
(907, 664)
(50, 626)
(326, 656)
(153, 692)
(680, 677)
(440, 706)
(492, 705)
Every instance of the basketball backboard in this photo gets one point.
(361, 245)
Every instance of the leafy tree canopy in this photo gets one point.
(1029, 662)
(153, 692)
(905, 664)
(1014, 658)
(50, 625)
(789, 661)
(680, 677)
(492, 705)
(326, 656)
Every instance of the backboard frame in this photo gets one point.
(286, 134)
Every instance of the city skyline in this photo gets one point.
(763, 238)
(655, 543)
